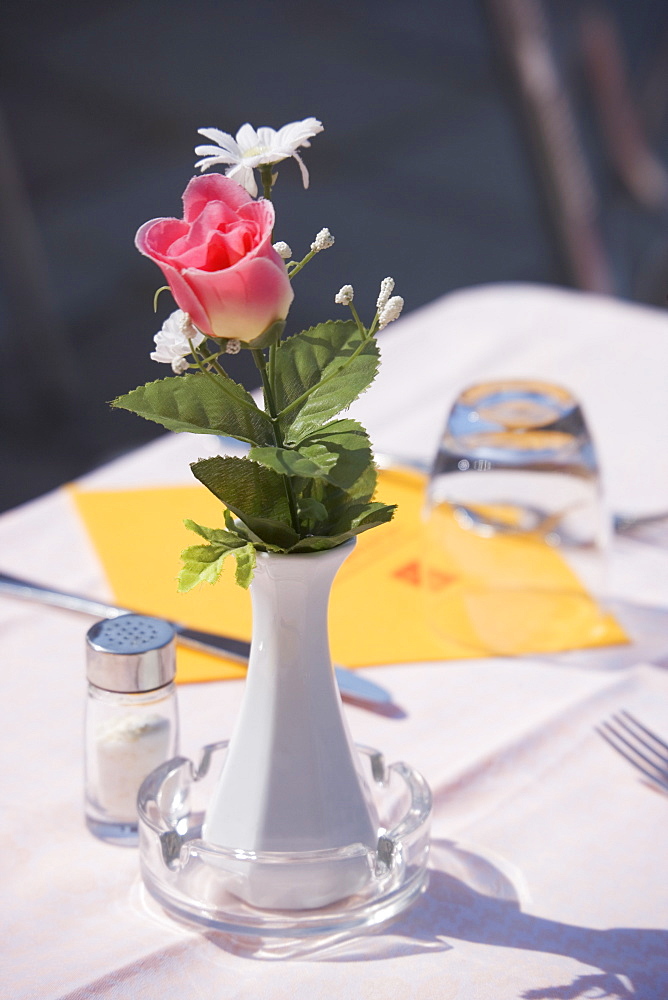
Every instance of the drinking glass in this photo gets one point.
(515, 527)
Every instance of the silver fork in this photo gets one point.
(639, 746)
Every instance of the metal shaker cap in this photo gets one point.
(131, 653)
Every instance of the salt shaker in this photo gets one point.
(131, 718)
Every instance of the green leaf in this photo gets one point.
(311, 509)
(316, 543)
(352, 515)
(346, 508)
(343, 447)
(372, 519)
(202, 564)
(227, 538)
(373, 515)
(245, 568)
(339, 452)
(364, 488)
(344, 505)
(201, 404)
(290, 462)
(332, 364)
(254, 493)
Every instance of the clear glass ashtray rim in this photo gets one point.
(397, 868)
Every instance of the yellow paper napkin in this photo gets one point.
(378, 610)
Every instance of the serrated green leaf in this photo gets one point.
(317, 543)
(245, 568)
(354, 513)
(290, 462)
(254, 493)
(381, 514)
(227, 538)
(202, 564)
(343, 506)
(372, 515)
(339, 452)
(344, 445)
(243, 532)
(365, 487)
(333, 364)
(201, 405)
(311, 509)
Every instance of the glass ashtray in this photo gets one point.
(196, 881)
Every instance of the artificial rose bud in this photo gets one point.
(219, 261)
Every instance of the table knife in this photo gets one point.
(351, 685)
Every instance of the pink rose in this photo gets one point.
(219, 261)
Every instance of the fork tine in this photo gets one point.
(636, 743)
(634, 757)
(648, 732)
(639, 744)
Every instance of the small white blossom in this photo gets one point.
(391, 311)
(344, 296)
(233, 347)
(283, 250)
(171, 342)
(386, 289)
(323, 241)
(251, 149)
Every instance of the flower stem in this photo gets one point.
(210, 359)
(297, 268)
(374, 324)
(272, 366)
(360, 325)
(265, 175)
(270, 403)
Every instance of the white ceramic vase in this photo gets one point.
(292, 783)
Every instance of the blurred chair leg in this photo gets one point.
(520, 31)
(640, 171)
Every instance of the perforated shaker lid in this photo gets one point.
(131, 653)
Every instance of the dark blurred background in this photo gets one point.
(466, 141)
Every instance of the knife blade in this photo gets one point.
(350, 684)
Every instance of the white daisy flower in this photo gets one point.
(251, 149)
(171, 342)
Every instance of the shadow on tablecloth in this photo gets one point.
(482, 905)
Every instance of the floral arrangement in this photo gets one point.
(308, 480)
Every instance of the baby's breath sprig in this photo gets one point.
(344, 297)
(283, 250)
(323, 241)
(388, 306)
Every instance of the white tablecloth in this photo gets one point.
(549, 863)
